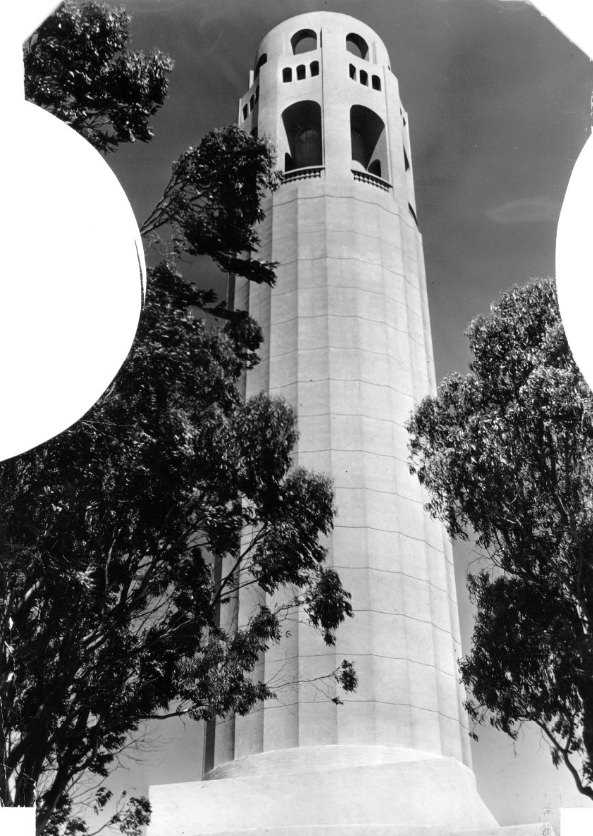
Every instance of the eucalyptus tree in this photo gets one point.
(506, 453)
(125, 537)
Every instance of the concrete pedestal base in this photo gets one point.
(329, 791)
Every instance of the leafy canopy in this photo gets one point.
(213, 202)
(506, 452)
(108, 586)
(127, 539)
(78, 66)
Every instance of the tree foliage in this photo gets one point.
(506, 452)
(213, 202)
(111, 531)
(127, 536)
(78, 66)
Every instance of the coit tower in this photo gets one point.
(347, 342)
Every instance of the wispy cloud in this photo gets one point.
(526, 210)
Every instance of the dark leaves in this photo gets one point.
(215, 199)
(506, 452)
(109, 588)
(127, 540)
(79, 67)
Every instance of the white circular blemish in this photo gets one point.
(574, 271)
(72, 284)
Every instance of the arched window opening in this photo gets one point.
(302, 126)
(245, 111)
(376, 82)
(352, 71)
(303, 41)
(406, 161)
(375, 168)
(364, 78)
(251, 103)
(357, 45)
(301, 72)
(261, 61)
(369, 141)
(287, 74)
(314, 67)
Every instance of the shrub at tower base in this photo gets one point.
(126, 538)
(506, 452)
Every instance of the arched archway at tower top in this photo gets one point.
(302, 142)
(304, 41)
(369, 141)
(357, 45)
(263, 58)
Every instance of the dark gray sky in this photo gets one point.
(499, 107)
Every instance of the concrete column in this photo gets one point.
(347, 342)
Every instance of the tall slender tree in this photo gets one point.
(124, 537)
(506, 453)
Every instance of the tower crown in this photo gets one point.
(309, 32)
(322, 90)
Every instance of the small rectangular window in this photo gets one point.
(364, 78)
(286, 74)
(301, 72)
(376, 82)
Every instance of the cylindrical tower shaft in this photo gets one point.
(347, 343)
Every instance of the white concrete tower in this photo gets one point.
(348, 344)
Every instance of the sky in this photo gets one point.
(499, 106)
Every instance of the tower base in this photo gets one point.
(330, 791)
